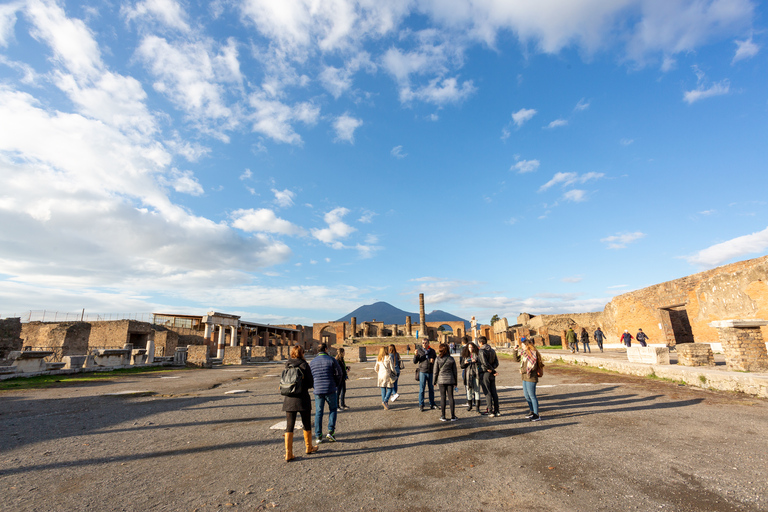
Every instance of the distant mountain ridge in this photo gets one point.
(389, 314)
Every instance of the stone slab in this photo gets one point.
(738, 323)
(648, 355)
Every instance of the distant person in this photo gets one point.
(445, 376)
(488, 364)
(398, 365)
(584, 335)
(642, 338)
(599, 337)
(385, 376)
(425, 358)
(531, 365)
(570, 338)
(462, 351)
(326, 373)
(471, 372)
(298, 403)
(408, 349)
(626, 338)
(342, 392)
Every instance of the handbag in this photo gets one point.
(540, 367)
(417, 374)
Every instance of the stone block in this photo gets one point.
(197, 355)
(112, 357)
(180, 356)
(695, 354)
(30, 361)
(234, 355)
(648, 355)
(73, 362)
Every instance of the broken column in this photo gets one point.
(743, 344)
(408, 331)
(422, 317)
(353, 321)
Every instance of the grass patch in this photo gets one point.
(703, 379)
(47, 381)
(550, 347)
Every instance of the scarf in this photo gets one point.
(532, 362)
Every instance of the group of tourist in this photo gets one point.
(573, 339)
(328, 375)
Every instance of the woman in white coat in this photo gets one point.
(386, 376)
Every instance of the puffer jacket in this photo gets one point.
(445, 371)
(384, 370)
(326, 373)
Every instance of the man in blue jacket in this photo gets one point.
(425, 358)
(327, 375)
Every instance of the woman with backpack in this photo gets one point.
(295, 384)
(386, 376)
(398, 365)
(445, 376)
(531, 368)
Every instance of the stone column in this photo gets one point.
(353, 323)
(233, 336)
(207, 331)
(264, 339)
(422, 317)
(222, 342)
(366, 330)
(743, 344)
(243, 336)
(408, 331)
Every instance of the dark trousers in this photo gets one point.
(447, 389)
(488, 383)
(290, 420)
(342, 392)
(599, 344)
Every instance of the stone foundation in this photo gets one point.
(197, 355)
(695, 354)
(743, 344)
(235, 355)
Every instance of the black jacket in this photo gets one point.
(301, 402)
(445, 371)
(487, 359)
(422, 358)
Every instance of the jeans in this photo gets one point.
(586, 348)
(342, 394)
(529, 392)
(394, 385)
(385, 394)
(425, 379)
(600, 344)
(320, 401)
(488, 382)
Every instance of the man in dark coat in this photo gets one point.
(327, 376)
(488, 363)
(599, 336)
(425, 358)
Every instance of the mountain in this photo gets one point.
(389, 314)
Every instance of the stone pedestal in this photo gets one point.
(73, 362)
(180, 356)
(649, 355)
(743, 344)
(695, 354)
(362, 357)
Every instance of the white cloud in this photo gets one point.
(168, 12)
(263, 220)
(575, 195)
(345, 126)
(336, 231)
(339, 80)
(284, 198)
(366, 217)
(557, 123)
(8, 21)
(745, 50)
(621, 240)
(626, 142)
(523, 115)
(707, 212)
(524, 166)
(184, 182)
(275, 119)
(717, 89)
(668, 64)
(569, 178)
(572, 279)
(581, 105)
(397, 152)
(440, 91)
(247, 174)
(738, 247)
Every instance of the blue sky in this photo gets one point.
(291, 161)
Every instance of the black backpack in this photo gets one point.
(291, 381)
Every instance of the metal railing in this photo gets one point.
(44, 315)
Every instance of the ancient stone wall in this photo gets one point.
(71, 338)
(166, 342)
(681, 310)
(557, 323)
(235, 355)
(337, 330)
(10, 336)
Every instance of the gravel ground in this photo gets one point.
(606, 442)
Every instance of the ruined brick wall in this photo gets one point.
(557, 323)
(338, 329)
(70, 337)
(10, 336)
(109, 334)
(234, 355)
(166, 342)
(735, 291)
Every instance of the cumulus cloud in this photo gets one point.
(575, 195)
(738, 247)
(703, 91)
(167, 12)
(284, 198)
(558, 123)
(336, 231)
(621, 240)
(263, 220)
(184, 182)
(366, 217)
(275, 119)
(745, 50)
(524, 166)
(523, 115)
(345, 126)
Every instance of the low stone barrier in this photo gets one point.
(235, 355)
(73, 362)
(695, 354)
(30, 361)
(112, 357)
(197, 355)
(648, 355)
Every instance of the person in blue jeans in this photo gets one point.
(425, 358)
(327, 376)
(396, 364)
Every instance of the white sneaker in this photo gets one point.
(394, 397)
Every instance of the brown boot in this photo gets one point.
(288, 446)
(308, 442)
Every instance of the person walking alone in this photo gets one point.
(584, 335)
(445, 377)
(298, 403)
(488, 363)
(471, 370)
(326, 373)
(385, 376)
(599, 337)
(570, 338)
(425, 358)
